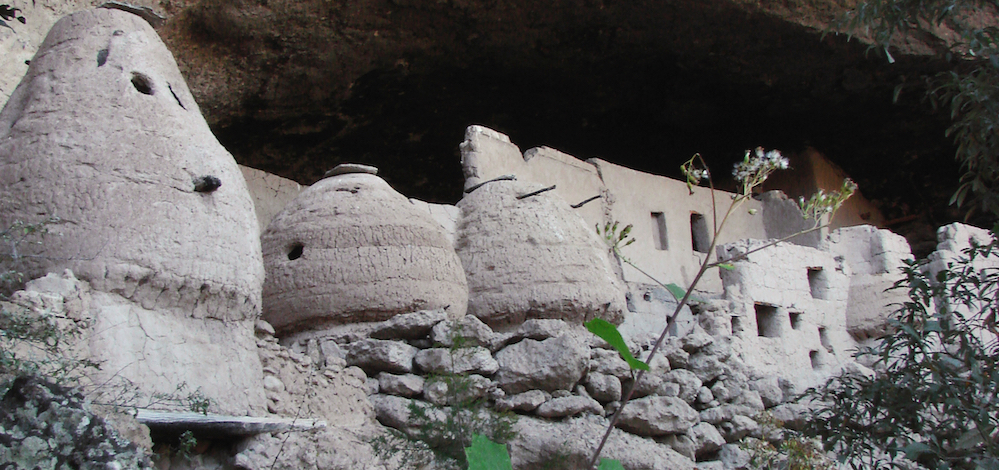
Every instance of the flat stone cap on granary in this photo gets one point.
(103, 133)
(351, 249)
(533, 258)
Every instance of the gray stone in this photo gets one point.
(331, 349)
(655, 416)
(470, 329)
(409, 325)
(705, 366)
(710, 465)
(568, 406)
(739, 427)
(391, 411)
(376, 355)
(408, 385)
(705, 395)
(602, 387)
(750, 399)
(720, 414)
(769, 390)
(457, 361)
(734, 457)
(720, 391)
(526, 401)
(606, 361)
(436, 392)
(574, 440)
(706, 438)
(793, 415)
(689, 384)
(552, 364)
(674, 352)
(539, 329)
(696, 340)
(450, 390)
(681, 443)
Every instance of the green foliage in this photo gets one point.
(969, 90)
(32, 343)
(784, 448)
(12, 242)
(935, 397)
(608, 332)
(485, 454)
(610, 464)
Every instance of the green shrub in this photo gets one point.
(934, 398)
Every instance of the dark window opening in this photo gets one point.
(767, 321)
(814, 358)
(699, 237)
(824, 339)
(296, 251)
(737, 325)
(818, 284)
(142, 83)
(795, 320)
(659, 231)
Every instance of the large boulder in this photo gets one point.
(533, 257)
(104, 134)
(351, 249)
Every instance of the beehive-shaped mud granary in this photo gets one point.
(530, 256)
(104, 134)
(350, 249)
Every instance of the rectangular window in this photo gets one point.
(767, 321)
(795, 320)
(699, 237)
(817, 283)
(659, 231)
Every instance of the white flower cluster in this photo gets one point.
(699, 174)
(756, 166)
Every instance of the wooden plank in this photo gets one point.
(221, 425)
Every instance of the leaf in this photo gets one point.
(676, 290)
(608, 332)
(727, 266)
(610, 464)
(915, 449)
(485, 454)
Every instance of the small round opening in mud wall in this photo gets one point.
(295, 252)
(142, 83)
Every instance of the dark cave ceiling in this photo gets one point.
(295, 88)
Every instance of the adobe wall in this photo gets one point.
(660, 209)
(270, 193)
(811, 171)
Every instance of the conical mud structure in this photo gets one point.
(529, 256)
(351, 249)
(104, 134)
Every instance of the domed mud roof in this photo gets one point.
(104, 134)
(351, 249)
(533, 257)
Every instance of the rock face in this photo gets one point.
(351, 249)
(532, 257)
(104, 134)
